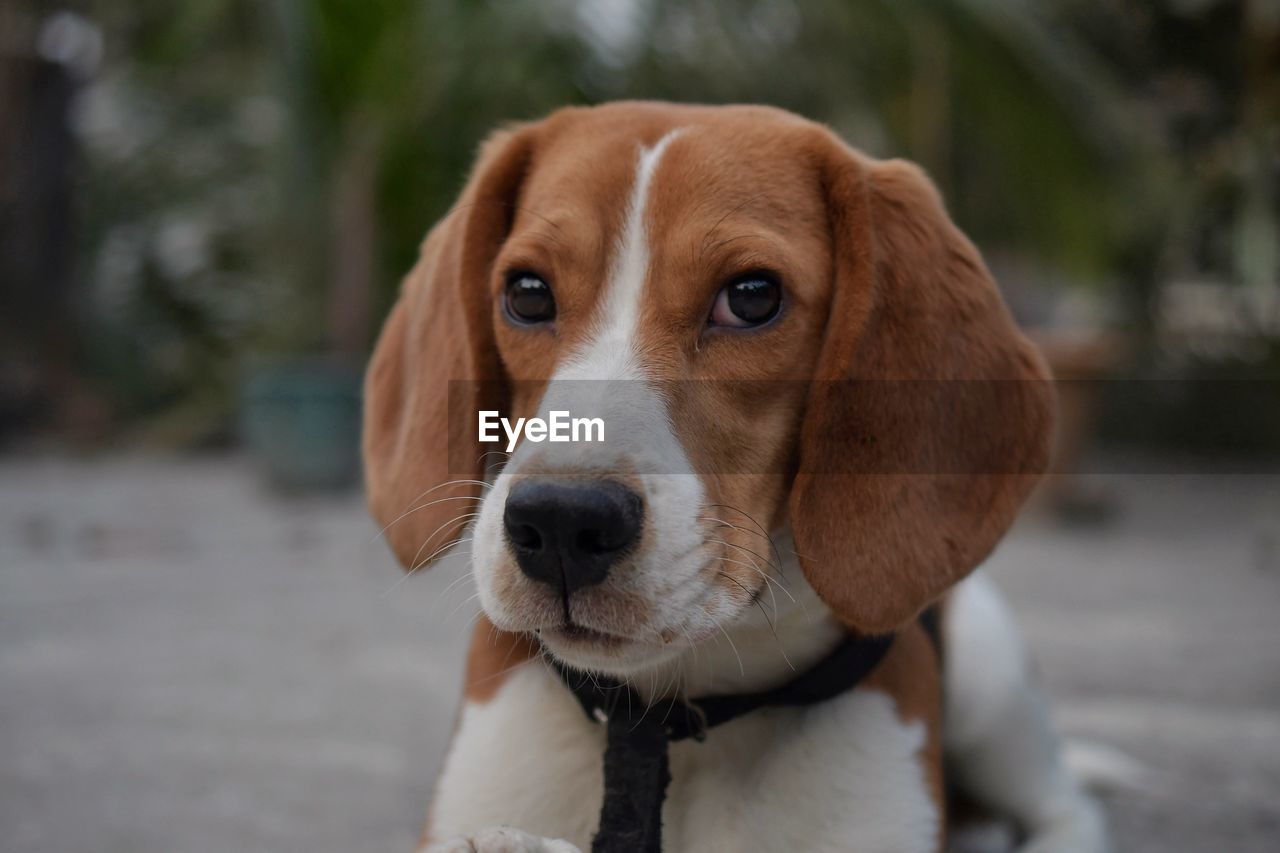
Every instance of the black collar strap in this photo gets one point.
(636, 773)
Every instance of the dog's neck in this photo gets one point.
(786, 632)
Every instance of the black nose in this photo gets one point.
(568, 533)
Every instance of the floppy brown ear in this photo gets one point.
(435, 365)
(932, 415)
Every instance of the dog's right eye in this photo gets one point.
(529, 299)
(749, 301)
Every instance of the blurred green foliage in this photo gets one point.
(259, 174)
(175, 201)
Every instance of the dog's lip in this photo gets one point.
(574, 633)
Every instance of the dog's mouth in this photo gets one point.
(578, 640)
(592, 649)
(578, 636)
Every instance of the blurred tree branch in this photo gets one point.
(257, 176)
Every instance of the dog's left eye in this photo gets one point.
(529, 299)
(745, 302)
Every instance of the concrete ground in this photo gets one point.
(188, 663)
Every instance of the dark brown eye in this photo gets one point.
(750, 301)
(529, 299)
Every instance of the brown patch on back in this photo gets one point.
(911, 676)
(492, 657)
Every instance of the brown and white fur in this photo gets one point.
(758, 550)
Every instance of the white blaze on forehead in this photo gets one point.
(610, 350)
(604, 377)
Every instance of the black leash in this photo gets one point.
(636, 771)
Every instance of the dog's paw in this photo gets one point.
(502, 840)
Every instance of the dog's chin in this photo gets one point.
(596, 640)
(600, 652)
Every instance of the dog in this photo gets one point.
(785, 321)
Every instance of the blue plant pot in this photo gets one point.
(300, 419)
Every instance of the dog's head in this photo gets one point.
(777, 330)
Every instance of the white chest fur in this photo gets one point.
(843, 775)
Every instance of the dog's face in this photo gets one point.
(743, 303)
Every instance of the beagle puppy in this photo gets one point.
(774, 327)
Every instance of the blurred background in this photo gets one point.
(205, 209)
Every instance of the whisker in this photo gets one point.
(773, 599)
(775, 564)
(414, 562)
(409, 512)
(464, 603)
(782, 650)
(724, 523)
(404, 577)
(771, 563)
(753, 598)
(445, 546)
(693, 648)
(762, 574)
(423, 494)
(763, 531)
(491, 453)
(766, 561)
(467, 575)
(772, 630)
(669, 683)
(741, 669)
